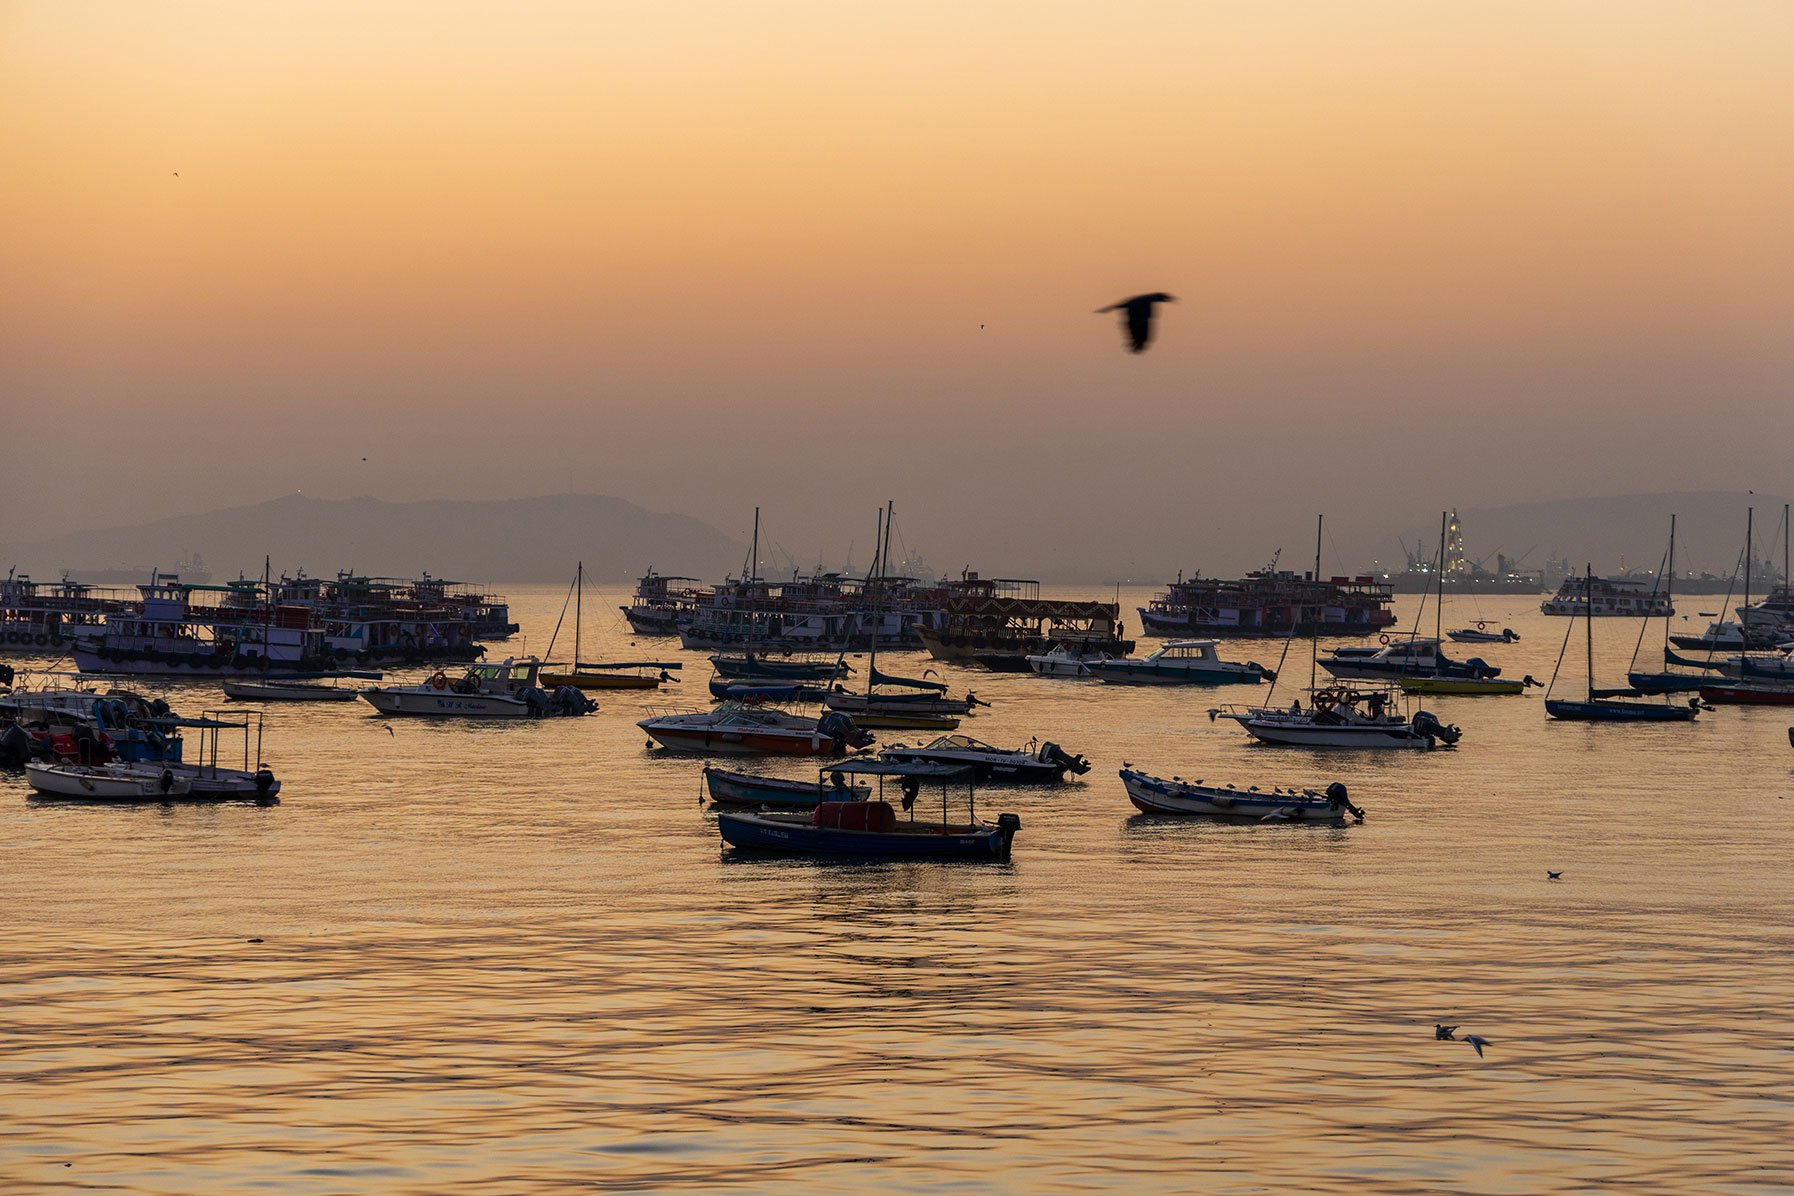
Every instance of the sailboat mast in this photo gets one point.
(1314, 640)
(1439, 606)
(1588, 612)
(1750, 550)
(579, 618)
(1669, 585)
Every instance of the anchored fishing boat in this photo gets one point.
(631, 674)
(1035, 762)
(1181, 662)
(1156, 795)
(729, 788)
(1338, 717)
(741, 728)
(287, 691)
(872, 828)
(508, 689)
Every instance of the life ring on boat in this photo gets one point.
(439, 680)
(12, 637)
(1323, 701)
(1384, 638)
(1481, 626)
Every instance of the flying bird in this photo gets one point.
(389, 730)
(1477, 1041)
(1136, 317)
(1550, 875)
(1445, 1033)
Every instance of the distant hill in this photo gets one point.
(1629, 527)
(524, 539)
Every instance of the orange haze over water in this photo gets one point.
(626, 247)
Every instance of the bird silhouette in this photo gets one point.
(1550, 875)
(389, 730)
(1136, 317)
(1444, 1033)
(1477, 1041)
(177, 174)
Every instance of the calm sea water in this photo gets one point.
(510, 959)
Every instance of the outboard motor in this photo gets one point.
(536, 701)
(1336, 793)
(159, 708)
(166, 781)
(6, 674)
(836, 726)
(1054, 754)
(264, 780)
(1434, 731)
(1507, 633)
(1482, 668)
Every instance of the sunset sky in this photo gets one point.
(707, 255)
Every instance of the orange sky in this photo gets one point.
(661, 235)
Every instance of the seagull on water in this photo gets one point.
(1477, 1041)
(1550, 875)
(1136, 317)
(1445, 1033)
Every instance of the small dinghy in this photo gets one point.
(106, 782)
(730, 788)
(1156, 795)
(286, 691)
(872, 829)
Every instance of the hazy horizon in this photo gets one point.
(813, 258)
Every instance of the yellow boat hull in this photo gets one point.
(1460, 685)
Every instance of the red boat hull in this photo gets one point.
(1747, 696)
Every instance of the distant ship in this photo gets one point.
(1612, 596)
(1462, 575)
(1270, 602)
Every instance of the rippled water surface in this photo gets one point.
(515, 958)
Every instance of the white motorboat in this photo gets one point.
(1414, 657)
(1480, 634)
(1181, 662)
(1337, 717)
(106, 782)
(1065, 660)
(745, 729)
(209, 780)
(1156, 795)
(507, 689)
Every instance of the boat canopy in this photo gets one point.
(923, 770)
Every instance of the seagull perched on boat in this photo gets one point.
(1477, 1041)
(1445, 1033)
(1136, 317)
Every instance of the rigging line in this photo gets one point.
(1280, 659)
(1644, 624)
(1561, 649)
(549, 653)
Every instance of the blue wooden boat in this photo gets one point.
(873, 829)
(730, 788)
(750, 665)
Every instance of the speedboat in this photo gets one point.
(743, 728)
(105, 782)
(507, 689)
(1404, 658)
(1337, 717)
(1156, 795)
(1039, 763)
(730, 788)
(1065, 660)
(872, 828)
(1480, 634)
(1181, 662)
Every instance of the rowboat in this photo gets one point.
(872, 828)
(1156, 795)
(105, 782)
(729, 788)
(286, 691)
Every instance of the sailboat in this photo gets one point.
(623, 674)
(923, 705)
(1667, 681)
(1756, 685)
(1604, 705)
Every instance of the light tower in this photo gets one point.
(1455, 564)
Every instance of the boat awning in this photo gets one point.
(921, 769)
(207, 723)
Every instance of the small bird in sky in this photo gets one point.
(389, 730)
(1550, 875)
(1444, 1033)
(364, 458)
(1477, 1041)
(177, 174)
(1136, 317)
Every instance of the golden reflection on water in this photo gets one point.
(514, 958)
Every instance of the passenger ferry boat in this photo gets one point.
(1608, 596)
(660, 601)
(1270, 602)
(1000, 623)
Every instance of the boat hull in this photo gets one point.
(1286, 732)
(255, 691)
(1155, 795)
(1748, 695)
(102, 784)
(443, 704)
(1464, 686)
(1122, 672)
(912, 841)
(740, 742)
(987, 770)
(1617, 712)
(729, 788)
(600, 681)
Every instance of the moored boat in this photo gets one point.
(507, 689)
(105, 782)
(1035, 762)
(730, 788)
(1156, 795)
(1337, 717)
(1480, 634)
(1181, 662)
(1065, 660)
(286, 691)
(872, 828)
(741, 728)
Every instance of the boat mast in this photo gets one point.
(1439, 606)
(1588, 613)
(1314, 640)
(1750, 549)
(579, 582)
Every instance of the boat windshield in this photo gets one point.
(961, 742)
